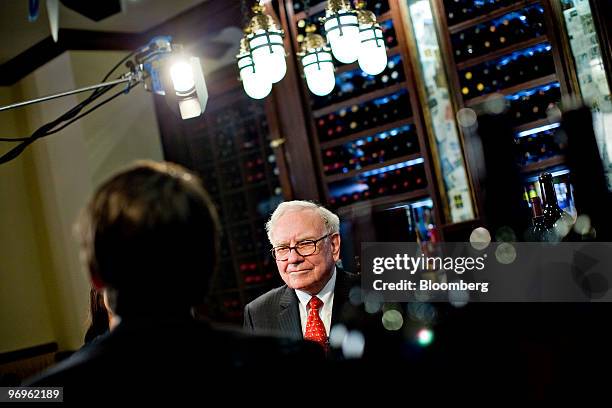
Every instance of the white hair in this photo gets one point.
(330, 220)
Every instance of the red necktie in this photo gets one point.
(315, 329)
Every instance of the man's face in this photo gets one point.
(308, 273)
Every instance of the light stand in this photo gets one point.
(160, 65)
(129, 78)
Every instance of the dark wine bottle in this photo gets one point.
(554, 217)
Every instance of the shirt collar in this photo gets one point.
(324, 294)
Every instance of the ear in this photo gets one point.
(107, 305)
(335, 241)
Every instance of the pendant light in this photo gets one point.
(372, 56)
(254, 85)
(317, 63)
(266, 44)
(342, 30)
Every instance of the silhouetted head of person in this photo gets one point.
(150, 238)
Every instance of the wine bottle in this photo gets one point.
(321, 127)
(389, 35)
(330, 125)
(554, 217)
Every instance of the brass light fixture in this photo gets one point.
(317, 63)
(254, 84)
(372, 55)
(342, 30)
(265, 41)
(351, 34)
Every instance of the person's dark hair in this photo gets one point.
(151, 232)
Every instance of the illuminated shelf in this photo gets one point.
(342, 176)
(455, 28)
(501, 52)
(533, 125)
(365, 133)
(359, 99)
(360, 205)
(544, 164)
(513, 89)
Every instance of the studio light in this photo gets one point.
(182, 77)
(176, 75)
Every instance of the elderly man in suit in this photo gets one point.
(306, 246)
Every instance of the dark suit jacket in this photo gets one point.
(169, 358)
(277, 311)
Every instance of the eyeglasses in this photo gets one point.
(304, 248)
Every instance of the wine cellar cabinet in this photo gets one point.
(367, 137)
(511, 51)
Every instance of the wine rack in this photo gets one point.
(507, 71)
(370, 143)
(495, 35)
(405, 176)
(538, 145)
(528, 108)
(363, 114)
(504, 48)
(360, 153)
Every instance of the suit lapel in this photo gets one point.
(289, 315)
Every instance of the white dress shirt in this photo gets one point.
(326, 295)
